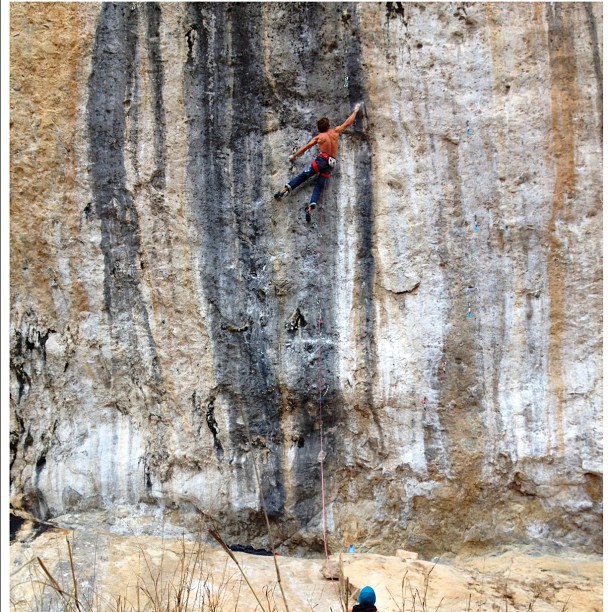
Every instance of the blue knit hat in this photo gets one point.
(367, 596)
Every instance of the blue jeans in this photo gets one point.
(307, 173)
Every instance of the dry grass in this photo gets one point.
(188, 584)
(414, 600)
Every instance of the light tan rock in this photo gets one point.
(108, 566)
(407, 555)
(331, 570)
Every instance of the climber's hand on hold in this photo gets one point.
(357, 107)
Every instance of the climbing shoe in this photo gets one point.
(309, 209)
(279, 195)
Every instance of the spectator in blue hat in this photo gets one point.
(367, 599)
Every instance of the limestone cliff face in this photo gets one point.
(437, 331)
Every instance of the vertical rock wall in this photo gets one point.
(436, 332)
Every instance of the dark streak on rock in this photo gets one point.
(394, 10)
(214, 428)
(152, 12)
(19, 365)
(223, 185)
(597, 64)
(111, 83)
(365, 267)
(295, 321)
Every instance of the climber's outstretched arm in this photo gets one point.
(349, 121)
(305, 148)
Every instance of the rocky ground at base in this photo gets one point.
(115, 571)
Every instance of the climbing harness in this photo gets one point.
(329, 162)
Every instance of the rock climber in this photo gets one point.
(322, 164)
(367, 599)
